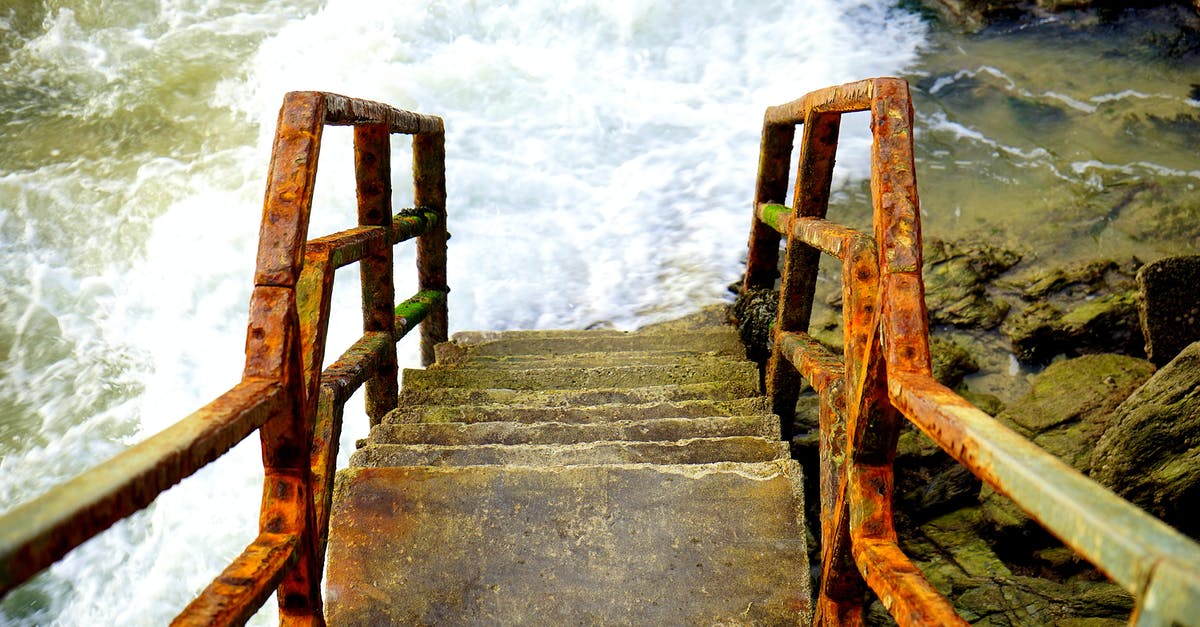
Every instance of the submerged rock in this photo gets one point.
(1150, 452)
(957, 275)
(1080, 309)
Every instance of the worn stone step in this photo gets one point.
(691, 451)
(719, 544)
(663, 429)
(723, 341)
(595, 359)
(577, 414)
(711, 391)
(574, 378)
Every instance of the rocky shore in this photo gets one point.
(972, 15)
(1099, 404)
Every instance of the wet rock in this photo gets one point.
(1150, 452)
(1105, 324)
(755, 311)
(1018, 601)
(1066, 413)
(1084, 308)
(951, 362)
(1167, 306)
(956, 279)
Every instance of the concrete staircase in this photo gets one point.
(574, 477)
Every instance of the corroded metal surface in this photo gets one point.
(373, 174)
(35, 534)
(233, 597)
(296, 408)
(429, 180)
(883, 376)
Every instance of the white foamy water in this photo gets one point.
(601, 158)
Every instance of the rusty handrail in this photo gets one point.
(884, 375)
(296, 407)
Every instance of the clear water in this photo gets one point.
(601, 158)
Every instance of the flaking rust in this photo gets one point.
(883, 376)
(296, 408)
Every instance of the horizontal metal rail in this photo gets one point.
(883, 376)
(39, 532)
(296, 408)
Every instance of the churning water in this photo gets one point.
(601, 157)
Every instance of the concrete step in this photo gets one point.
(595, 359)
(690, 451)
(579, 414)
(709, 391)
(574, 378)
(662, 429)
(724, 341)
(719, 544)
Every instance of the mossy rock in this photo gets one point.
(1150, 451)
(1101, 325)
(1066, 413)
(957, 275)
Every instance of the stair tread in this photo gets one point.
(574, 377)
(686, 451)
(507, 432)
(717, 391)
(495, 412)
(632, 544)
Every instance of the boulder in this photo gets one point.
(1150, 451)
(1167, 306)
(1066, 413)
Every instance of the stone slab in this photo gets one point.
(574, 415)
(662, 429)
(487, 343)
(581, 545)
(572, 378)
(689, 451)
(595, 359)
(712, 391)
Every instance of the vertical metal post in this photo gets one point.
(373, 174)
(773, 159)
(814, 176)
(429, 179)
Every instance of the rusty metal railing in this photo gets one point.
(296, 407)
(884, 375)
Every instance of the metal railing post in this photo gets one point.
(373, 174)
(429, 179)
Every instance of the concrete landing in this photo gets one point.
(573, 478)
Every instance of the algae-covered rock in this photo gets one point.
(1101, 325)
(1150, 451)
(1067, 411)
(754, 312)
(951, 362)
(956, 279)
(1089, 307)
